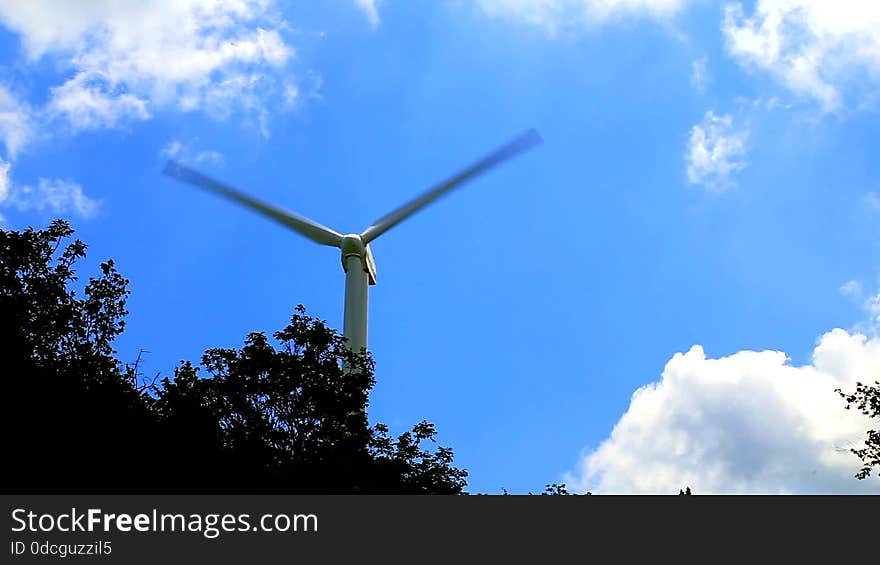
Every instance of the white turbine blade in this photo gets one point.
(525, 141)
(304, 226)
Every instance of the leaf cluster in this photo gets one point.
(866, 399)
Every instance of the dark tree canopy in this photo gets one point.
(282, 415)
(866, 399)
(295, 414)
(69, 404)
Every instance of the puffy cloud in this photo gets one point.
(15, 126)
(556, 14)
(89, 102)
(370, 10)
(813, 47)
(715, 151)
(53, 195)
(128, 56)
(746, 423)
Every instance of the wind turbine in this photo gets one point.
(357, 258)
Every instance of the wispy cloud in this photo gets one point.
(49, 195)
(370, 10)
(15, 122)
(870, 304)
(700, 74)
(715, 152)
(17, 128)
(556, 15)
(4, 180)
(182, 152)
(872, 202)
(852, 289)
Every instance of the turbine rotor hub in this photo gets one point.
(352, 244)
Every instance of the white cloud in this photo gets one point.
(15, 128)
(50, 195)
(700, 74)
(370, 10)
(291, 95)
(872, 306)
(4, 179)
(715, 152)
(815, 48)
(182, 152)
(128, 57)
(554, 15)
(851, 289)
(89, 102)
(746, 423)
(870, 303)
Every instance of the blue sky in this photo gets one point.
(665, 292)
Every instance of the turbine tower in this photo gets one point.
(357, 258)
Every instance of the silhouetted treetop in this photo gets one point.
(282, 414)
(866, 399)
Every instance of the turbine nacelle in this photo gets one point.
(353, 245)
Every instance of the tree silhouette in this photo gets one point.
(285, 417)
(557, 489)
(866, 399)
(293, 417)
(73, 413)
